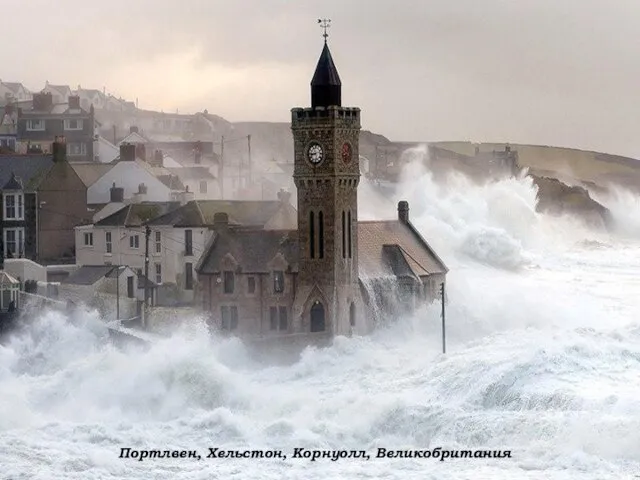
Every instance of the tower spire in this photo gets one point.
(326, 87)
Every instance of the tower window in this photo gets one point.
(278, 281)
(321, 235)
(312, 235)
(229, 282)
(344, 235)
(349, 231)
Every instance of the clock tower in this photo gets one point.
(326, 175)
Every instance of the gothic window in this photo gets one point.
(344, 235)
(278, 318)
(251, 285)
(312, 236)
(273, 318)
(349, 230)
(283, 318)
(278, 281)
(188, 276)
(320, 235)
(229, 281)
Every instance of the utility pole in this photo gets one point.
(444, 344)
(147, 234)
(221, 169)
(118, 294)
(250, 172)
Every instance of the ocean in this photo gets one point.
(543, 361)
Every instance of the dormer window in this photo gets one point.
(278, 281)
(13, 206)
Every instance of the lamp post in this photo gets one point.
(444, 343)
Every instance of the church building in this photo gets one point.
(333, 275)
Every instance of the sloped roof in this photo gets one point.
(7, 280)
(88, 274)
(14, 183)
(377, 258)
(137, 214)
(90, 172)
(253, 249)
(240, 212)
(172, 181)
(14, 86)
(29, 168)
(192, 173)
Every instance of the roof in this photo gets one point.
(384, 247)
(253, 249)
(14, 183)
(29, 168)
(240, 212)
(14, 86)
(172, 181)
(88, 274)
(7, 280)
(136, 214)
(90, 172)
(192, 173)
(144, 281)
(326, 72)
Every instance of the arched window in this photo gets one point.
(320, 235)
(312, 235)
(316, 323)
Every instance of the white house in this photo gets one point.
(178, 237)
(199, 180)
(129, 175)
(60, 93)
(14, 92)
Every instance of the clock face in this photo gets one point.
(346, 152)
(315, 153)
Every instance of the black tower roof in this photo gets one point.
(326, 87)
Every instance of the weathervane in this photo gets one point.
(324, 24)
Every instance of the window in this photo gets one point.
(229, 282)
(278, 281)
(251, 285)
(188, 276)
(13, 206)
(158, 273)
(312, 236)
(134, 241)
(73, 124)
(203, 186)
(321, 235)
(278, 318)
(158, 242)
(229, 317)
(283, 318)
(13, 242)
(188, 243)
(349, 230)
(107, 240)
(76, 149)
(88, 239)
(130, 287)
(35, 125)
(344, 234)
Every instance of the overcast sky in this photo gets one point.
(555, 72)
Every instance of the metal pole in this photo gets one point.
(444, 343)
(118, 294)
(221, 169)
(250, 172)
(147, 234)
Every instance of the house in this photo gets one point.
(91, 172)
(106, 152)
(39, 125)
(91, 97)
(104, 287)
(178, 236)
(8, 128)
(12, 92)
(331, 275)
(134, 176)
(59, 93)
(199, 180)
(42, 198)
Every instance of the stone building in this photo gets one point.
(333, 275)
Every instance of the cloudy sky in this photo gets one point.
(555, 72)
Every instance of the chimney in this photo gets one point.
(142, 189)
(59, 149)
(74, 102)
(127, 152)
(220, 221)
(42, 102)
(117, 194)
(507, 148)
(403, 211)
(133, 129)
(141, 151)
(158, 158)
(284, 196)
(186, 196)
